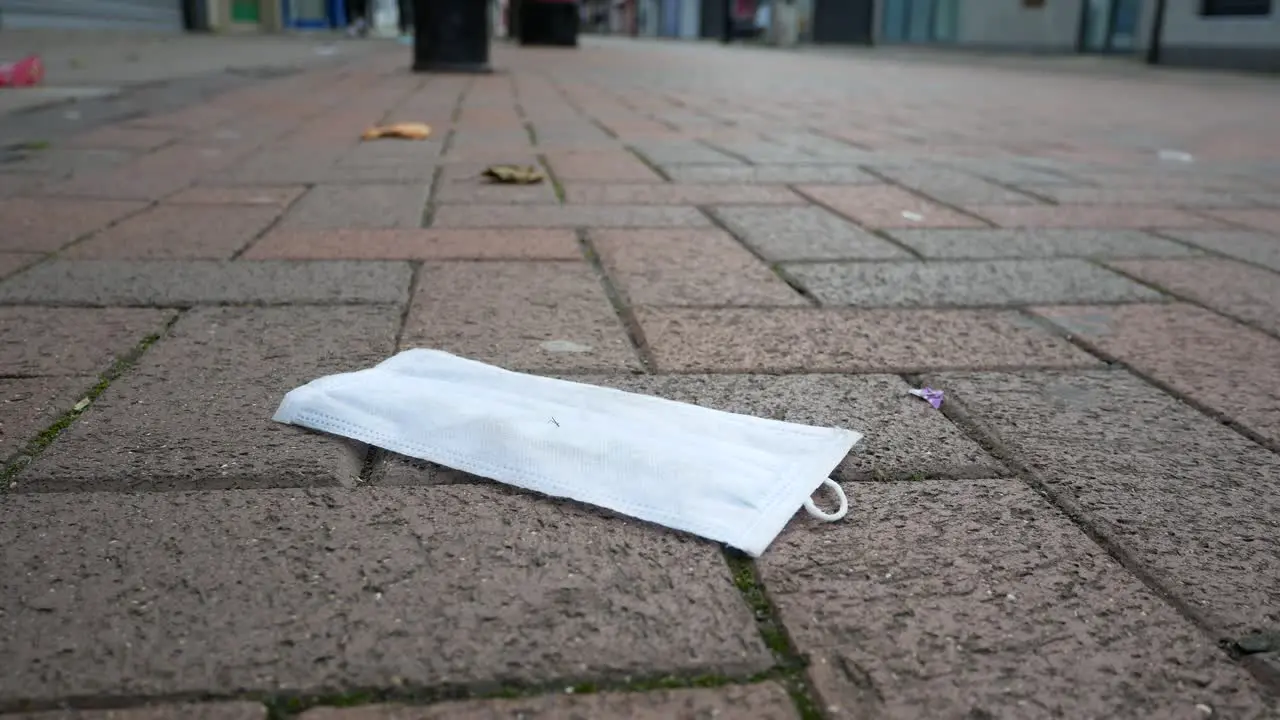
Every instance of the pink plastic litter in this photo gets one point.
(24, 73)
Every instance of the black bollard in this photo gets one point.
(451, 36)
(726, 35)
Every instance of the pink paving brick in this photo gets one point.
(71, 341)
(1234, 288)
(885, 206)
(1224, 365)
(669, 194)
(797, 340)
(11, 263)
(1260, 219)
(1091, 216)
(569, 216)
(409, 244)
(47, 224)
(274, 196)
(178, 232)
(547, 316)
(604, 165)
(689, 267)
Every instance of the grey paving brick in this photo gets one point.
(1188, 499)
(195, 413)
(977, 599)
(1255, 247)
(359, 206)
(208, 282)
(307, 591)
(1037, 243)
(810, 233)
(943, 284)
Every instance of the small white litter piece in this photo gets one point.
(912, 216)
(732, 478)
(1175, 156)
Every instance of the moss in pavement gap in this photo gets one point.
(649, 163)
(533, 132)
(790, 667)
(551, 176)
(51, 433)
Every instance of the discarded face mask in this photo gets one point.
(732, 478)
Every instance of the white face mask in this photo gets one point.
(732, 478)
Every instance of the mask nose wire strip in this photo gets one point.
(829, 516)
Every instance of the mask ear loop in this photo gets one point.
(826, 516)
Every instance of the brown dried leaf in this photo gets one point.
(514, 174)
(404, 131)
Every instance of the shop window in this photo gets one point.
(1235, 8)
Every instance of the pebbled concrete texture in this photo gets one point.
(798, 340)
(359, 206)
(521, 316)
(177, 232)
(29, 405)
(1189, 501)
(903, 436)
(970, 283)
(196, 411)
(1220, 364)
(46, 225)
(600, 166)
(1242, 291)
(325, 591)
(406, 244)
(1091, 216)
(195, 711)
(979, 599)
(105, 283)
(11, 263)
(689, 267)
(805, 233)
(266, 196)
(764, 701)
(686, 194)
(994, 244)
(71, 341)
(1253, 247)
(771, 174)
(886, 206)
(568, 216)
(955, 187)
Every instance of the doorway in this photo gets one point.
(920, 21)
(846, 22)
(1109, 26)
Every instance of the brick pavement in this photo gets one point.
(1089, 529)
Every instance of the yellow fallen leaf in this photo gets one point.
(80, 406)
(514, 174)
(404, 131)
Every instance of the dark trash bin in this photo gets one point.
(549, 22)
(451, 36)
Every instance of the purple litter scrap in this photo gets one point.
(933, 396)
